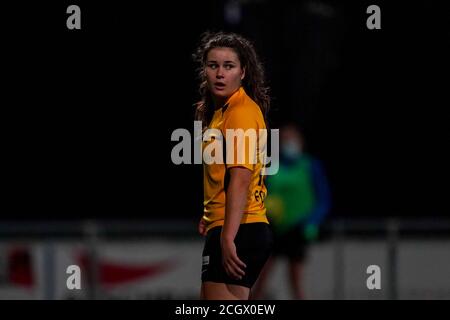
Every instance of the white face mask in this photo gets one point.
(291, 150)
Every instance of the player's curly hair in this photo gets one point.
(253, 82)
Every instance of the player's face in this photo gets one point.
(223, 72)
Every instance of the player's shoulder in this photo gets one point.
(243, 106)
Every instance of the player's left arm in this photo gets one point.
(236, 199)
(323, 201)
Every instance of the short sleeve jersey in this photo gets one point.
(240, 123)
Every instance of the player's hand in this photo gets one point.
(202, 227)
(231, 262)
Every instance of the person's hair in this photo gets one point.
(253, 82)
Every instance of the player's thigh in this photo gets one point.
(224, 291)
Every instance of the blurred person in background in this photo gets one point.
(298, 201)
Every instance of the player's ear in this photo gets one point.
(243, 74)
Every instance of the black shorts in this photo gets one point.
(254, 242)
(290, 244)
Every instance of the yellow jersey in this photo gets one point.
(239, 112)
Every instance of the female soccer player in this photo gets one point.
(238, 237)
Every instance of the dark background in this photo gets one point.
(88, 114)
